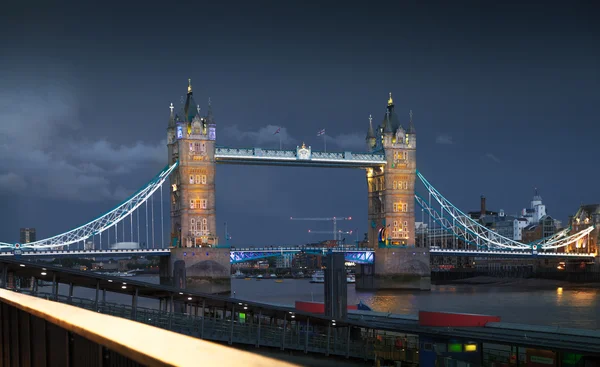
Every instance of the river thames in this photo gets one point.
(559, 306)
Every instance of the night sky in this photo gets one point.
(504, 96)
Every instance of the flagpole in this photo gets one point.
(325, 142)
(280, 141)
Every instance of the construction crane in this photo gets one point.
(336, 235)
(332, 219)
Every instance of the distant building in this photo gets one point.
(283, 262)
(536, 210)
(27, 235)
(545, 227)
(587, 215)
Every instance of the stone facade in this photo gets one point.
(391, 232)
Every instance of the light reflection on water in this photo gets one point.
(560, 306)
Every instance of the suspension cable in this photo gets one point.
(152, 206)
(162, 225)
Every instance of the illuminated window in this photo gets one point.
(191, 179)
(198, 203)
(203, 179)
(400, 207)
(204, 226)
(405, 185)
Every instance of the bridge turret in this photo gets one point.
(398, 265)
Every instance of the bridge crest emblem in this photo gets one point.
(303, 152)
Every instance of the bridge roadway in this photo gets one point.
(235, 321)
(353, 254)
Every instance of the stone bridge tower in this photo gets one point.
(196, 261)
(399, 264)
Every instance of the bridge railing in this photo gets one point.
(39, 332)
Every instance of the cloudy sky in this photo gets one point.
(504, 97)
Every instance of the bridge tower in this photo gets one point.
(399, 264)
(191, 141)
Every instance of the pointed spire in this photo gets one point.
(411, 126)
(189, 86)
(390, 100)
(198, 109)
(172, 115)
(209, 115)
(371, 131)
(388, 123)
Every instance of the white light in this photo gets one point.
(189, 298)
(124, 287)
(22, 265)
(43, 273)
(110, 280)
(245, 308)
(181, 293)
(239, 304)
(124, 283)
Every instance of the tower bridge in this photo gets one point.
(194, 257)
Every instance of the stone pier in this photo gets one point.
(201, 269)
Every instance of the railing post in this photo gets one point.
(104, 297)
(97, 295)
(54, 287)
(283, 334)
(232, 317)
(306, 335)
(258, 329)
(328, 338)
(70, 292)
(348, 341)
(203, 316)
(134, 302)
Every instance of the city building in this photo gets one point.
(536, 210)
(523, 227)
(587, 215)
(27, 235)
(545, 227)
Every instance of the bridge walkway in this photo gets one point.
(218, 326)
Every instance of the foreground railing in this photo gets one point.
(38, 332)
(356, 343)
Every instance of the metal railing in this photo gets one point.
(350, 343)
(37, 332)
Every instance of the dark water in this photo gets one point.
(579, 308)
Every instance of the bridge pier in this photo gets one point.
(396, 268)
(200, 269)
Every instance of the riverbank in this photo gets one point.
(521, 283)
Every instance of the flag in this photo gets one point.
(321, 132)
(277, 132)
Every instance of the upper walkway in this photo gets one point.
(301, 156)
